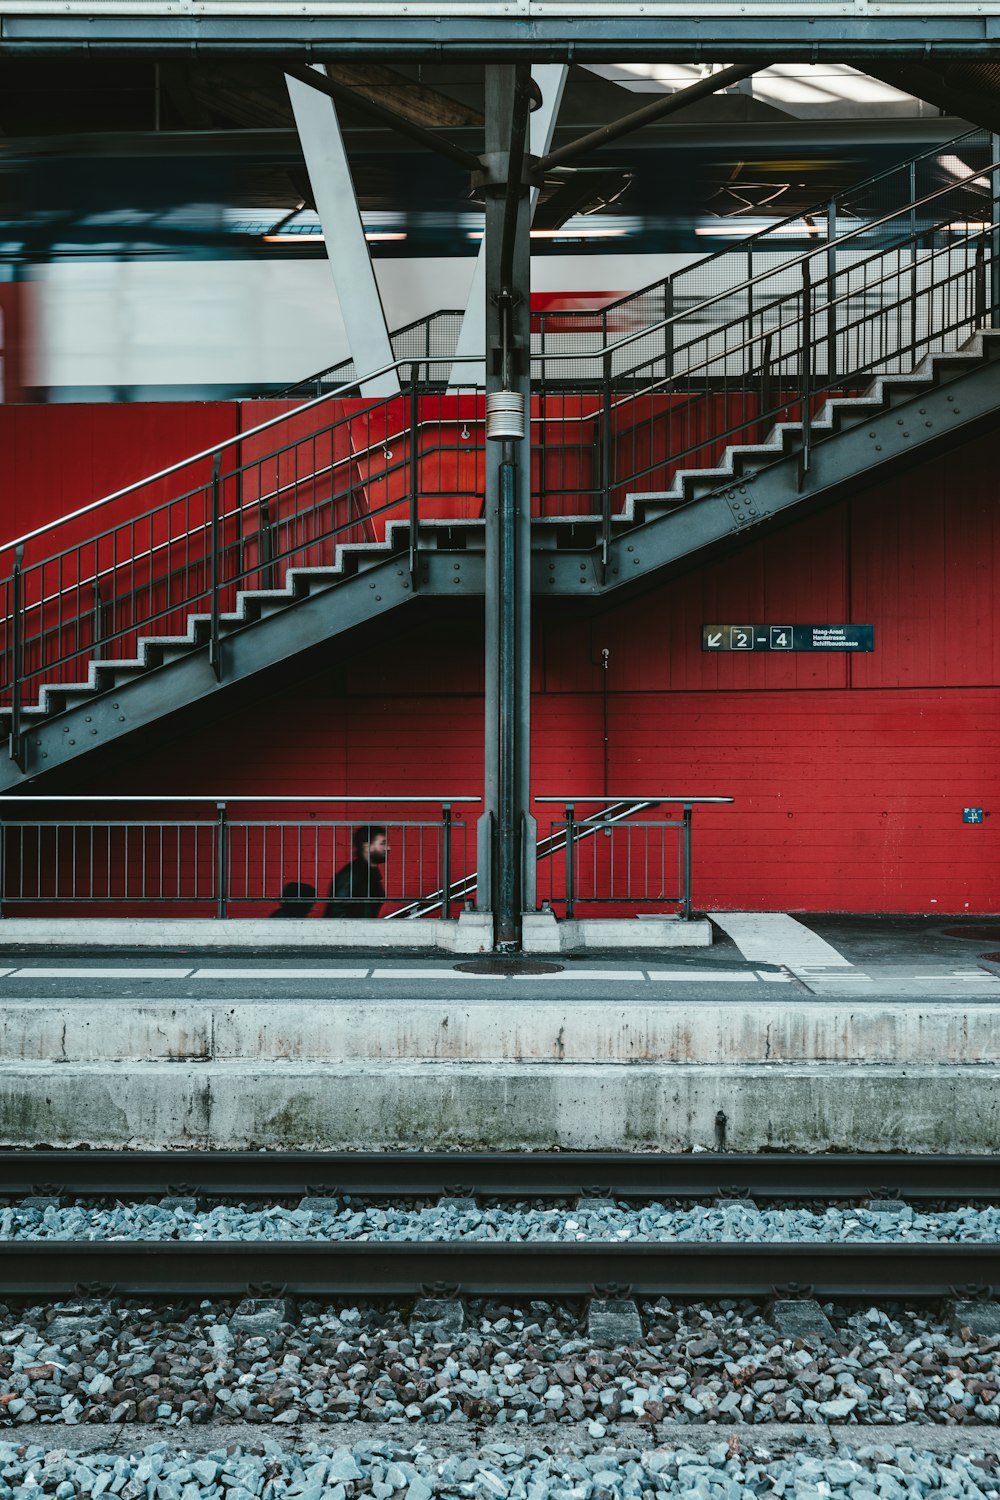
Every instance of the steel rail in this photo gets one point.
(371, 1268)
(513, 1174)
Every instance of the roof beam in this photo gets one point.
(371, 107)
(929, 85)
(668, 105)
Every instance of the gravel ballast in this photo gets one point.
(651, 1224)
(496, 1471)
(525, 1366)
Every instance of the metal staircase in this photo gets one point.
(805, 381)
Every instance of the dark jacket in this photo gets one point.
(357, 891)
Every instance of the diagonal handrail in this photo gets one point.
(747, 246)
(218, 448)
(557, 356)
(616, 812)
(205, 562)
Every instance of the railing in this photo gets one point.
(221, 853)
(567, 346)
(611, 861)
(214, 855)
(766, 351)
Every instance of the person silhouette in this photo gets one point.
(357, 889)
(297, 900)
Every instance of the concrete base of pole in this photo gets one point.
(542, 933)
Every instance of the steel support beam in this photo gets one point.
(507, 831)
(346, 246)
(467, 370)
(932, 85)
(591, 33)
(356, 99)
(648, 115)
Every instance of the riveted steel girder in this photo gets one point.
(859, 457)
(898, 437)
(255, 648)
(531, 30)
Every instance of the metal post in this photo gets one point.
(686, 857)
(805, 373)
(607, 418)
(446, 861)
(221, 860)
(15, 746)
(414, 470)
(668, 332)
(994, 235)
(913, 264)
(506, 818)
(214, 645)
(831, 294)
(570, 854)
(980, 284)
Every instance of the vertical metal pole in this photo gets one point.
(214, 647)
(508, 863)
(668, 332)
(686, 857)
(607, 417)
(980, 284)
(221, 859)
(446, 861)
(994, 321)
(506, 878)
(17, 664)
(570, 856)
(414, 435)
(805, 373)
(913, 265)
(831, 294)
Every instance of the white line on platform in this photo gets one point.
(708, 976)
(419, 974)
(840, 978)
(101, 973)
(280, 974)
(633, 974)
(773, 978)
(773, 937)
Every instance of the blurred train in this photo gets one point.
(185, 266)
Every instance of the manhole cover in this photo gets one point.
(975, 934)
(508, 966)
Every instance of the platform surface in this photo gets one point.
(843, 1033)
(753, 955)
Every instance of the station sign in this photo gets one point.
(788, 637)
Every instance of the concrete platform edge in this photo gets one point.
(471, 933)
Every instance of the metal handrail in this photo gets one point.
(768, 275)
(544, 849)
(747, 244)
(557, 356)
(16, 799)
(230, 442)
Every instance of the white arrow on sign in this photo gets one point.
(715, 640)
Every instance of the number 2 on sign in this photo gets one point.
(741, 638)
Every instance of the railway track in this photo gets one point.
(373, 1268)
(704, 1175)
(378, 1269)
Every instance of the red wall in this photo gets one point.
(849, 772)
